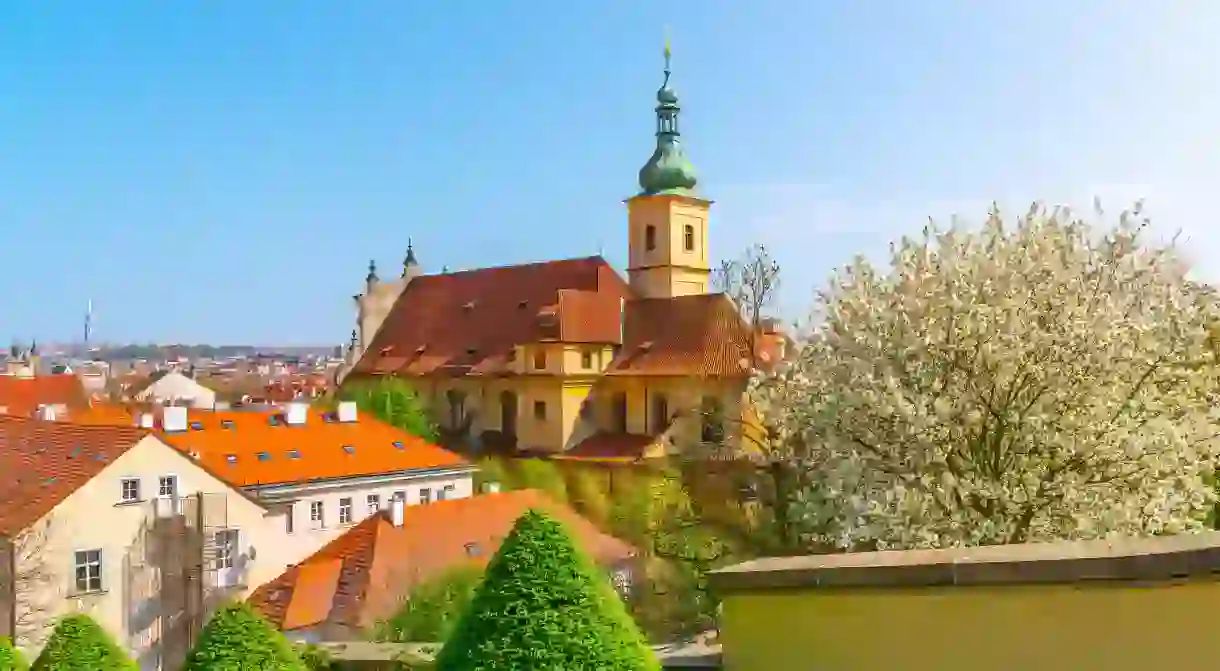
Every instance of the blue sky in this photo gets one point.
(222, 171)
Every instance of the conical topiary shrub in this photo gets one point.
(237, 639)
(543, 605)
(80, 644)
(10, 657)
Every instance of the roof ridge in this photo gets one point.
(527, 264)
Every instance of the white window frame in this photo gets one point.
(317, 514)
(80, 559)
(228, 548)
(425, 495)
(123, 498)
(345, 510)
(374, 503)
(290, 522)
(173, 482)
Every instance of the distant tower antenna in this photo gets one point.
(88, 322)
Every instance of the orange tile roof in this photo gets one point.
(23, 395)
(688, 335)
(42, 463)
(382, 562)
(466, 322)
(609, 447)
(246, 449)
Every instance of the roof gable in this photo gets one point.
(701, 334)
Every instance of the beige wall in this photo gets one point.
(94, 518)
(1073, 627)
(669, 269)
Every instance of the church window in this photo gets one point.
(650, 237)
(688, 238)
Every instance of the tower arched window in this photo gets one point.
(688, 238)
(650, 237)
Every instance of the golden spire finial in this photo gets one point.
(668, 52)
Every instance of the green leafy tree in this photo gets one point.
(543, 605)
(434, 607)
(11, 658)
(394, 402)
(238, 639)
(80, 644)
(316, 658)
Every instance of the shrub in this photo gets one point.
(543, 605)
(238, 639)
(11, 658)
(80, 644)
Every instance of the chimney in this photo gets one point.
(491, 488)
(296, 413)
(146, 420)
(46, 413)
(173, 419)
(398, 508)
(347, 411)
(622, 317)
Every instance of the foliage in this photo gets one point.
(315, 658)
(543, 605)
(237, 638)
(11, 658)
(541, 474)
(434, 607)
(1048, 380)
(393, 401)
(79, 644)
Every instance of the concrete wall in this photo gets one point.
(1049, 628)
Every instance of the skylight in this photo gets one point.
(350, 449)
(196, 426)
(231, 458)
(274, 420)
(226, 423)
(398, 445)
(264, 456)
(294, 454)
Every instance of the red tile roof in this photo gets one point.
(700, 335)
(610, 447)
(246, 449)
(381, 562)
(23, 395)
(466, 322)
(42, 463)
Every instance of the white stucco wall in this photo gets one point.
(175, 386)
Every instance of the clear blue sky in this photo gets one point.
(222, 171)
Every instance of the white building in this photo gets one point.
(173, 387)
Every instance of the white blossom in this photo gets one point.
(1000, 385)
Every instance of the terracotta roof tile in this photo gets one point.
(689, 335)
(313, 593)
(382, 562)
(23, 395)
(42, 463)
(615, 447)
(466, 322)
(249, 448)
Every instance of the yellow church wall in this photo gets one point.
(1067, 627)
(669, 268)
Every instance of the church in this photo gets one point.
(567, 357)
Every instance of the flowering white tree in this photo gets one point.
(1051, 380)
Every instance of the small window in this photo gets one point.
(345, 510)
(167, 486)
(264, 456)
(445, 493)
(231, 459)
(350, 449)
(226, 548)
(226, 423)
(290, 519)
(473, 550)
(294, 454)
(650, 237)
(374, 503)
(400, 496)
(88, 571)
(130, 489)
(688, 238)
(196, 426)
(539, 410)
(540, 359)
(586, 360)
(398, 445)
(425, 495)
(317, 515)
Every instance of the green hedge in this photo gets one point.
(80, 644)
(543, 605)
(11, 658)
(238, 639)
